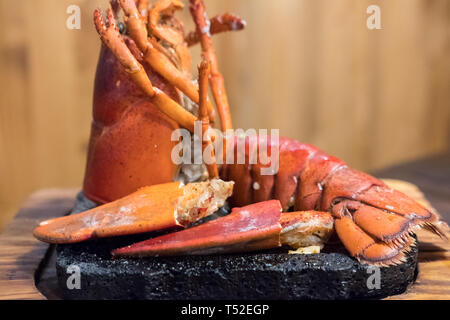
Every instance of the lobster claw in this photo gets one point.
(253, 227)
(154, 208)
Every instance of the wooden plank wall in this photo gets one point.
(310, 68)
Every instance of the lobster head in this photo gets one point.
(130, 143)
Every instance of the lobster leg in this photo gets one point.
(142, 6)
(157, 59)
(254, 227)
(135, 24)
(203, 73)
(220, 23)
(168, 33)
(153, 208)
(113, 40)
(217, 83)
(162, 25)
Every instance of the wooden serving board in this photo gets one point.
(27, 265)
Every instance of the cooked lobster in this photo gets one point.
(144, 90)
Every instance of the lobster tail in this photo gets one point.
(369, 213)
(373, 221)
(365, 248)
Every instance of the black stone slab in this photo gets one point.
(271, 274)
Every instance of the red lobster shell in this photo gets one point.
(130, 143)
(373, 221)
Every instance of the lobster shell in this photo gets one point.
(130, 143)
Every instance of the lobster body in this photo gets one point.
(307, 178)
(130, 143)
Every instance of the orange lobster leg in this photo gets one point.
(142, 6)
(113, 40)
(153, 208)
(203, 73)
(217, 83)
(254, 227)
(220, 23)
(156, 59)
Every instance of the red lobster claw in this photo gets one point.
(154, 208)
(254, 227)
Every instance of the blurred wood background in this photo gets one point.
(310, 68)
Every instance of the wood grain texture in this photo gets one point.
(433, 280)
(309, 68)
(21, 255)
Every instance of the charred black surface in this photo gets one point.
(268, 275)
